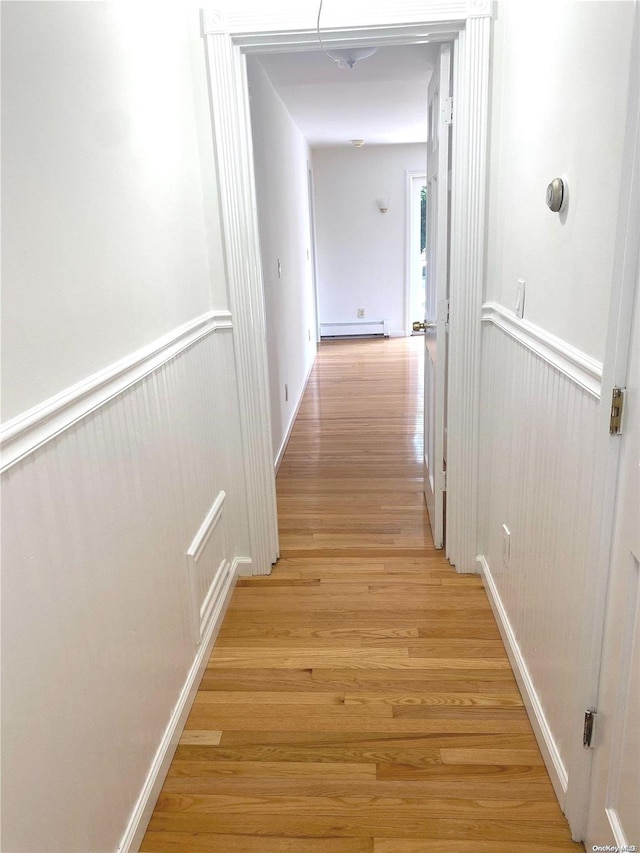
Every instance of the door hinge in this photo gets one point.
(589, 724)
(445, 313)
(444, 481)
(617, 405)
(447, 110)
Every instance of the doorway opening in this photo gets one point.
(227, 38)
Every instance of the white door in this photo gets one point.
(614, 807)
(437, 292)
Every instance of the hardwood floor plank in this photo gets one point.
(359, 826)
(351, 658)
(404, 845)
(231, 720)
(252, 697)
(309, 786)
(274, 771)
(359, 699)
(375, 808)
(203, 737)
(206, 842)
(431, 699)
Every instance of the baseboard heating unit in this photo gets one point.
(361, 328)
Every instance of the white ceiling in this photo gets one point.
(382, 99)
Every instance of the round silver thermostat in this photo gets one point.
(555, 194)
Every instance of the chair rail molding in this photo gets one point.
(576, 365)
(282, 28)
(31, 429)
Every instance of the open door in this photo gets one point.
(437, 293)
(613, 815)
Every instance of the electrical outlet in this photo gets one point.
(286, 393)
(506, 545)
(360, 313)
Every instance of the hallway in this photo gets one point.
(358, 700)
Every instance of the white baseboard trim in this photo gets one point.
(245, 567)
(399, 333)
(355, 328)
(616, 828)
(28, 431)
(546, 741)
(292, 420)
(572, 362)
(141, 815)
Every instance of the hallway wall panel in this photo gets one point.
(282, 159)
(537, 440)
(98, 614)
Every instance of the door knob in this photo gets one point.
(422, 327)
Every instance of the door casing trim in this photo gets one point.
(228, 36)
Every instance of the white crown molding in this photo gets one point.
(30, 430)
(573, 363)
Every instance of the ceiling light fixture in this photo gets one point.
(344, 57)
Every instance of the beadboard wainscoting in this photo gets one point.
(125, 527)
(540, 399)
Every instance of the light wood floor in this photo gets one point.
(358, 700)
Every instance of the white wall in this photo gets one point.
(557, 112)
(362, 252)
(104, 242)
(281, 158)
(109, 245)
(560, 72)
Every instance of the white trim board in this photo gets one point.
(30, 430)
(573, 363)
(231, 129)
(544, 736)
(141, 815)
(202, 536)
(202, 611)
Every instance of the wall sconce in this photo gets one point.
(383, 203)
